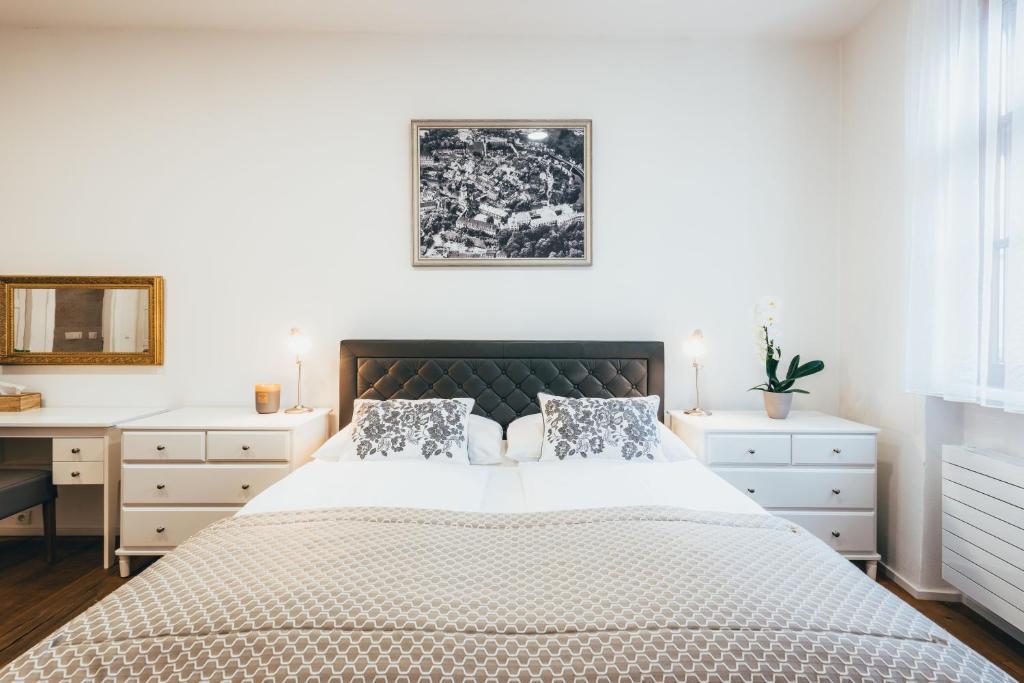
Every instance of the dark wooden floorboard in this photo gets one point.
(38, 598)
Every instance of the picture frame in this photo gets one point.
(502, 192)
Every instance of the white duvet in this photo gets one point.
(526, 487)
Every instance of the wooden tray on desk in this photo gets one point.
(20, 402)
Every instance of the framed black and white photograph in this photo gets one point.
(501, 193)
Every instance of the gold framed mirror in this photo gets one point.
(56, 320)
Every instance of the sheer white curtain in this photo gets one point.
(965, 201)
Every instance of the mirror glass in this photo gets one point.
(73, 319)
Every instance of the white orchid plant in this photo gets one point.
(767, 318)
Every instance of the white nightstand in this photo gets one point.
(813, 469)
(185, 469)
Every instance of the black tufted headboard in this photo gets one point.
(503, 376)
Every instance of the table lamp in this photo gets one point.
(695, 347)
(298, 344)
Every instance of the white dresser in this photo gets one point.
(813, 469)
(185, 469)
(983, 529)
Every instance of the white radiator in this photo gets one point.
(983, 529)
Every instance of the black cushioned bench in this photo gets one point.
(22, 489)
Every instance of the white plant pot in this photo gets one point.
(777, 405)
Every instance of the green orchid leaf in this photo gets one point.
(793, 365)
(808, 368)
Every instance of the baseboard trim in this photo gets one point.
(62, 531)
(937, 594)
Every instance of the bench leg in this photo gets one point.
(50, 529)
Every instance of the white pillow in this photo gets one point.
(484, 443)
(524, 438)
(397, 429)
(338, 448)
(600, 428)
(674, 448)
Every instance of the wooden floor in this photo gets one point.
(37, 598)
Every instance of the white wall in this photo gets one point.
(873, 280)
(266, 177)
(994, 429)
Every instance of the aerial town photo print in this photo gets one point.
(501, 193)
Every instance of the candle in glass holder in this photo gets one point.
(268, 398)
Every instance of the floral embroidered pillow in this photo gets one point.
(428, 429)
(600, 428)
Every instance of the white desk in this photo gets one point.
(86, 451)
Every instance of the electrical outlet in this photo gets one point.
(24, 518)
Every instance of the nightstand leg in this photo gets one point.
(871, 567)
(124, 566)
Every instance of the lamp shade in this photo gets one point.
(694, 345)
(298, 343)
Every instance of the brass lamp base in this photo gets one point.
(696, 411)
(298, 409)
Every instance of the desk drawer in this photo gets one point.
(70, 473)
(196, 484)
(804, 488)
(846, 532)
(748, 449)
(163, 446)
(833, 449)
(166, 527)
(247, 446)
(78, 449)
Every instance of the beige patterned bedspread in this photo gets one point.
(390, 594)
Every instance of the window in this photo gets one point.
(965, 201)
(997, 79)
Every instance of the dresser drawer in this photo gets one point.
(804, 488)
(833, 449)
(196, 484)
(163, 446)
(65, 473)
(78, 449)
(166, 528)
(746, 449)
(247, 446)
(846, 532)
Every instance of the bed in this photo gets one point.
(421, 571)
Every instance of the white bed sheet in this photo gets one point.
(525, 487)
(581, 485)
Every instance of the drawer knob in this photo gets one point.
(835, 491)
(751, 451)
(245, 448)
(245, 487)
(161, 447)
(160, 487)
(837, 451)
(75, 473)
(159, 529)
(76, 451)
(750, 490)
(835, 534)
